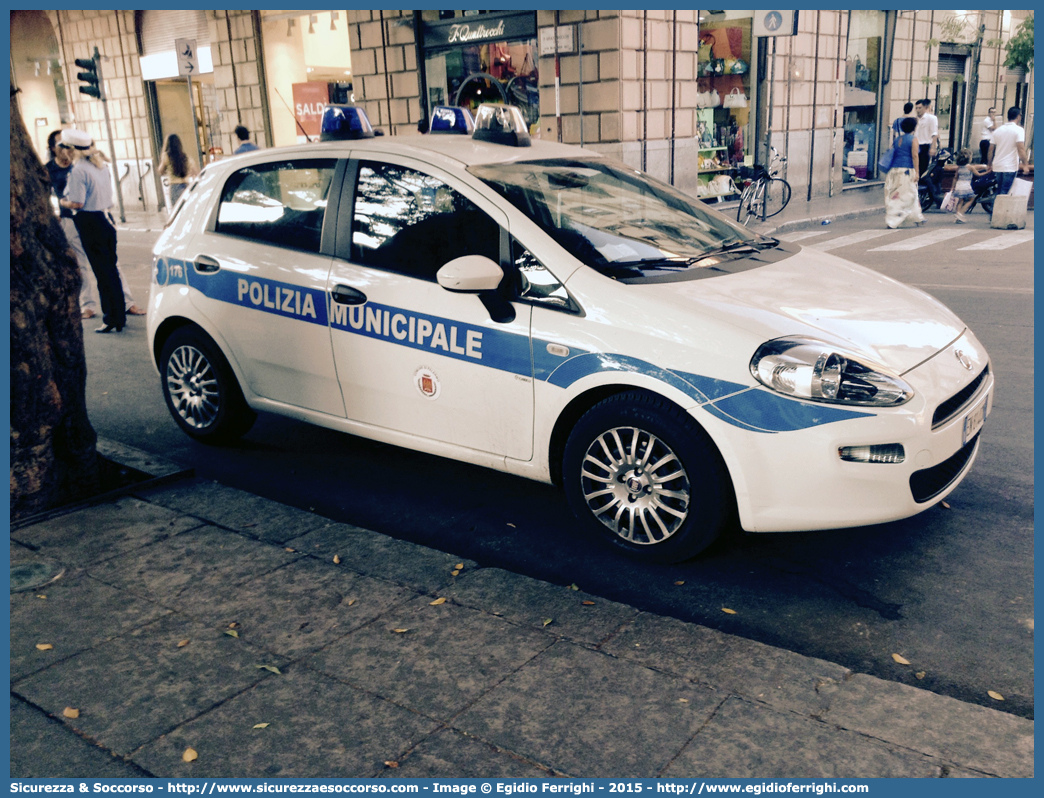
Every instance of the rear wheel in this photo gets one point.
(200, 389)
(777, 195)
(986, 199)
(639, 472)
(924, 196)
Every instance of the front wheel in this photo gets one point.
(201, 391)
(777, 195)
(642, 474)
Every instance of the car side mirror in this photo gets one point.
(470, 274)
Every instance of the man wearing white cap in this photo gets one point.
(89, 193)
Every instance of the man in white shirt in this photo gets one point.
(927, 133)
(1008, 151)
(986, 136)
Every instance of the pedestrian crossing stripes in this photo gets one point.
(923, 240)
(902, 241)
(1003, 241)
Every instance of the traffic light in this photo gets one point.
(91, 77)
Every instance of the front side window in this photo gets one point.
(534, 283)
(281, 203)
(413, 223)
(614, 219)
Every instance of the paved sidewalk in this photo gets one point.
(276, 643)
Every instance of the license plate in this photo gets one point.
(975, 419)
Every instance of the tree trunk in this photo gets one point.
(53, 458)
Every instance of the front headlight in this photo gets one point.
(809, 369)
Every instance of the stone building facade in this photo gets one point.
(687, 95)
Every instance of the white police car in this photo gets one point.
(548, 312)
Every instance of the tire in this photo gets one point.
(924, 196)
(200, 389)
(986, 200)
(750, 203)
(744, 204)
(640, 473)
(777, 195)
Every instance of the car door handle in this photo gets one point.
(346, 295)
(206, 265)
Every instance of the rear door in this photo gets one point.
(261, 271)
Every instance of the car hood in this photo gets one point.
(817, 294)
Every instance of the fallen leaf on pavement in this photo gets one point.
(190, 755)
(400, 631)
(292, 551)
(390, 763)
(270, 668)
(573, 586)
(69, 712)
(680, 582)
(352, 601)
(994, 695)
(260, 725)
(183, 643)
(683, 701)
(233, 625)
(945, 506)
(920, 674)
(728, 611)
(587, 603)
(459, 566)
(512, 526)
(337, 559)
(438, 601)
(548, 621)
(44, 646)
(900, 659)
(42, 596)
(455, 572)
(232, 633)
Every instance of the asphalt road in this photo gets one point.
(950, 591)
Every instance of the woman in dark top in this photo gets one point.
(176, 166)
(901, 201)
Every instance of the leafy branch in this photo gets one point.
(1020, 46)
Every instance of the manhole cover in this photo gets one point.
(31, 575)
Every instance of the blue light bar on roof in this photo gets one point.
(451, 119)
(344, 122)
(501, 124)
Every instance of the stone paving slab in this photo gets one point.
(193, 571)
(749, 740)
(450, 755)
(142, 685)
(99, 533)
(733, 664)
(72, 615)
(445, 657)
(975, 737)
(317, 728)
(584, 713)
(303, 606)
(244, 512)
(409, 564)
(48, 749)
(573, 614)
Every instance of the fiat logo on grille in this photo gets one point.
(963, 359)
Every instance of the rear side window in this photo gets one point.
(281, 203)
(412, 223)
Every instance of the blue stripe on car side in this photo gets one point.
(748, 408)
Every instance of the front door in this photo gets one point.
(412, 356)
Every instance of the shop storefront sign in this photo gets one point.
(310, 100)
(476, 30)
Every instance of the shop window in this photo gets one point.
(862, 94)
(724, 116)
(412, 223)
(281, 203)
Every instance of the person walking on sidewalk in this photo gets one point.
(88, 192)
(58, 168)
(1007, 155)
(962, 187)
(177, 167)
(896, 129)
(245, 144)
(901, 202)
(986, 135)
(927, 134)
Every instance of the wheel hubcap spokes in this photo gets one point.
(193, 387)
(635, 485)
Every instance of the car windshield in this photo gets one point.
(616, 219)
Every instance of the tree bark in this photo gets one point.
(53, 457)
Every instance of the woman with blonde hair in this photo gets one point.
(88, 192)
(177, 167)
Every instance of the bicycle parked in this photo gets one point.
(764, 194)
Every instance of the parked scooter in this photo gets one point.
(929, 187)
(930, 191)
